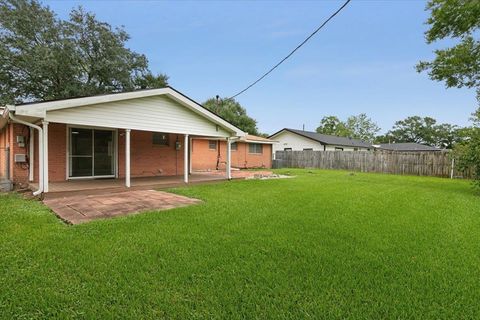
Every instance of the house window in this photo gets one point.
(338, 149)
(255, 148)
(234, 146)
(212, 144)
(355, 149)
(307, 149)
(160, 139)
(287, 149)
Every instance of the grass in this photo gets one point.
(326, 244)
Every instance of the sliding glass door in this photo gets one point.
(92, 153)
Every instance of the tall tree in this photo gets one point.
(359, 127)
(414, 129)
(333, 126)
(447, 135)
(426, 131)
(43, 57)
(233, 112)
(459, 65)
(362, 127)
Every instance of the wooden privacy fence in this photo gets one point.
(437, 164)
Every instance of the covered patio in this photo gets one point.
(125, 140)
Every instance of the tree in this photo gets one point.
(359, 127)
(414, 129)
(468, 151)
(233, 112)
(333, 126)
(362, 127)
(383, 138)
(447, 135)
(43, 57)
(459, 65)
(426, 131)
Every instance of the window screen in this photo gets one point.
(212, 144)
(255, 148)
(160, 138)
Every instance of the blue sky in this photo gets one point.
(362, 61)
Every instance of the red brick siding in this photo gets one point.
(147, 159)
(3, 154)
(18, 171)
(204, 158)
(57, 151)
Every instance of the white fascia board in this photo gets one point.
(259, 142)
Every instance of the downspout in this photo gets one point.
(40, 150)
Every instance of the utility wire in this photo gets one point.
(294, 50)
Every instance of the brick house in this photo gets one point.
(145, 133)
(246, 153)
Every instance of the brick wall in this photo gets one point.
(18, 171)
(204, 158)
(147, 159)
(3, 155)
(57, 152)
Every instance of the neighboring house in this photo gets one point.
(298, 140)
(247, 152)
(123, 135)
(406, 147)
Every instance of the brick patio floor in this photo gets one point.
(83, 208)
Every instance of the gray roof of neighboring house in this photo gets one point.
(327, 139)
(407, 146)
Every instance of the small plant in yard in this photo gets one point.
(468, 152)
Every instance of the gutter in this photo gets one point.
(40, 150)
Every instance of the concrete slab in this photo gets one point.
(77, 209)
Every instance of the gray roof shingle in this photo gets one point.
(329, 140)
(407, 146)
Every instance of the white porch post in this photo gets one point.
(186, 166)
(127, 158)
(31, 151)
(45, 156)
(191, 155)
(228, 169)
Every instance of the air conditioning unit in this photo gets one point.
(20, 158)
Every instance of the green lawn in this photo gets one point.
(325, 244)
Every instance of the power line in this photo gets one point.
(294, 50)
